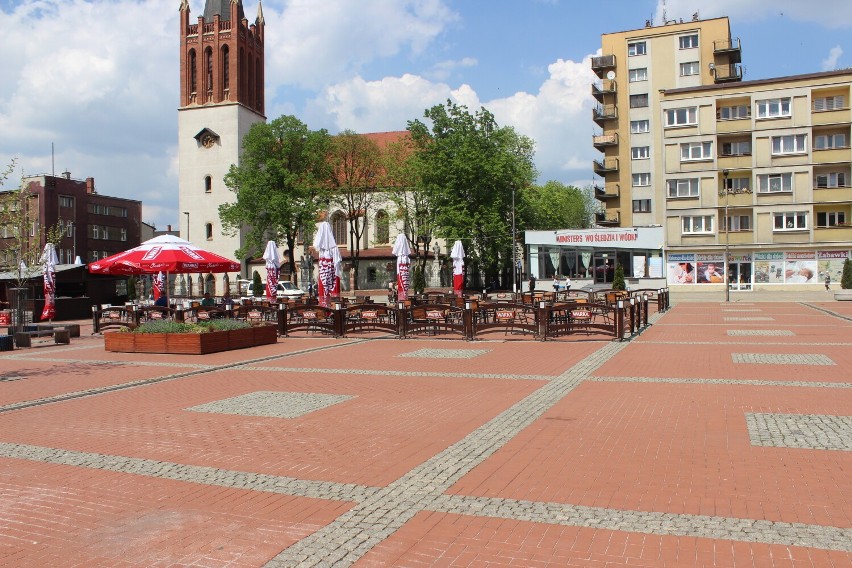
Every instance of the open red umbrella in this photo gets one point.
(165, 253)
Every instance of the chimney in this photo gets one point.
(66, 174)
(90, 185)
(169, 228)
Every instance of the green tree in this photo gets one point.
(470, 166)
(22, 246)
(356, 167)
(846, 277)
(280, 185)
(552, 206)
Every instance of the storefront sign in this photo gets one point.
(769, 256)
(809, 255)
(636, 237)
(827, 254)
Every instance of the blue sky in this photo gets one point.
(99, 78)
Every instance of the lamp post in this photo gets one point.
(515, 268)
(726, 192)
(187, 224)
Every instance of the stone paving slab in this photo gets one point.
(516, 357)
(67, 516)
(391, 424)
(700, 361)
(682, 449)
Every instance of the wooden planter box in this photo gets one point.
(190, 343)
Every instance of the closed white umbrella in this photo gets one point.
(402, 249)
(49, 261)
(326, 246)
(457, 254)
(273, 265)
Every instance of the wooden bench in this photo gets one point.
(59, 334)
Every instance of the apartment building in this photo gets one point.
(757, 181)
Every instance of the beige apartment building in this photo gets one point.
(756, 180)
(749, 181)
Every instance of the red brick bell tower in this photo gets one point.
(221, 56)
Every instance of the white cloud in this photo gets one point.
(443, 70)
(829, 13)
(830, 62)
(319, 43)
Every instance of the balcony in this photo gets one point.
(602, 88)
(602, 113)
(603, 62)
(607, 192)
(602, 141)
(607, 218)
(605, 166)
(727, 73)
(730, 47)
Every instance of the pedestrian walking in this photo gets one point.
(827, 281)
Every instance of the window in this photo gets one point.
(738, 223)
(737, 184)
(338, 227)
(795, 221)
(641, 205)
(696, 151)
(735, 112)
(69, 229)
(774, 183)
(635, 75)
(641, 180)
(832, 179)
(683, 187)
(226, 69)
(640, 152)
(682, 116)
(208, 231)
(640, 126)
(698, 224)
(32, 229)
(742, 148)
(637, 48)
(208, 184)
(193, 76)
(208, 65)
(690, 68)
(65, 201)
(773, 108)
(831, 218)
(639, 101)
(790, 144)
(830, 141)
(829, 103)
(382, 227)
(123, 234)
(688, 41)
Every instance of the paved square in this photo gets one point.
(658, 451)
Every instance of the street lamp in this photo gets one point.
(187, 224)
(726, 192)
(515, 268)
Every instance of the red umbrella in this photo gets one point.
(328, 283)
(402, 249)
(167, 254)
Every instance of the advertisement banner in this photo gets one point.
(711, 272)
(681, 269)
(800, 271)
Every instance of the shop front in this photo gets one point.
(589, 256)
(750, 270)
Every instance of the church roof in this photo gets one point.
(223, 8)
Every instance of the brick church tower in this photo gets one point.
(221, 96)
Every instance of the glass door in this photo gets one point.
(604, 268)
(739, 275)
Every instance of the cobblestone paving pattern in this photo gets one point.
(781, 359)
(273, 404)
(809, 431)
(747, 332)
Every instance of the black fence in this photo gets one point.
(541, 316)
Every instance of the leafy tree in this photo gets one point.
(846, 277)
(281, 179)
(25, 235)
(552, 206)
(470, 166)
(356, 167)
(618, 278)
(418, 279)
(413, 202)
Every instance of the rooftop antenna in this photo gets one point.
(665, 16)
